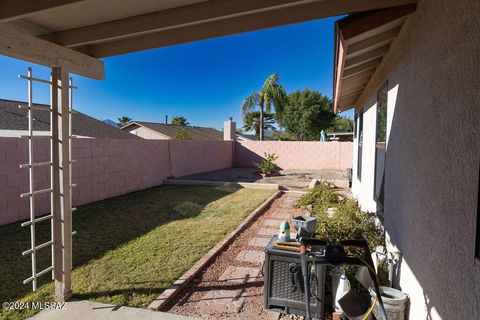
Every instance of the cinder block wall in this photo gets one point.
(190, 157)
(313, 155)
(104, 168)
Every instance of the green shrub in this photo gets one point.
(321, 197)
(347, 222)
(268, 165)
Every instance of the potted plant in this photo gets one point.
(267, 166)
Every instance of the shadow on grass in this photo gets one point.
(101, 227)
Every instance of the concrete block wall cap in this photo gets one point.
(249, 185)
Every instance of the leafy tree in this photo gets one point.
(271, 95)
(283, 136)
(123, 120)
(341, 124)
(306, 114)
(251, 122)
(182, 134)
(179, 121)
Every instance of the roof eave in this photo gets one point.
(361, 41)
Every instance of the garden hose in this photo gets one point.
(370, 310)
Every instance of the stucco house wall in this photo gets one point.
(432, 159)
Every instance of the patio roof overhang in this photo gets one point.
(361, 42)
(70, 36)
(81, 30)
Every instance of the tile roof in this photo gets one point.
(13, 118)
(197, 133)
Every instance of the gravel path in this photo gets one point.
(232, 285)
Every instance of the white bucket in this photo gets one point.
(395, 303)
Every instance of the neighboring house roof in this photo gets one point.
(15, 119)
(110, 122)
(246, 137)
(197, 133)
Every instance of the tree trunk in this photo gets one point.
(261, 122)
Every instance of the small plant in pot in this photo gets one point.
(268, 167)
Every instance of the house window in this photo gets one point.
(360, 144)
(380, 144)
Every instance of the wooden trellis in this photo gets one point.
(60, 216)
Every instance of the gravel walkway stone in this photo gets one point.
(267, 232)
(281, 216)
(273, 223)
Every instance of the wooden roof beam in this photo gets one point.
(358, 77)
(186, 25)
(361, 68)
(363, 23)
(351, 95)
(355, 88)
(22, 46)
(164, 20)
(372, 43)
(15, 9)
(344, 104)
(368, 56)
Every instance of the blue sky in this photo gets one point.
(204, 81)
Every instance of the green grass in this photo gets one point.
(128, 249)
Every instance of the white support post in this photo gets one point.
(61, 185)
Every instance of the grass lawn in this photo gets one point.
(128, 249)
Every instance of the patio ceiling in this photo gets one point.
(103, 28)
(361, 42)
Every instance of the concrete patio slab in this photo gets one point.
(221, 301)
(251, 256)
(239, 275)
(289, 179)
(81, 310)
(259, 242)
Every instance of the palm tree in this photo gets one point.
(251, 122)
(179, 121)
(123, 120)
(271, 95)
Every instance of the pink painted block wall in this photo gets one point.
(104, 168)
(311, 155)
(190, 157)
